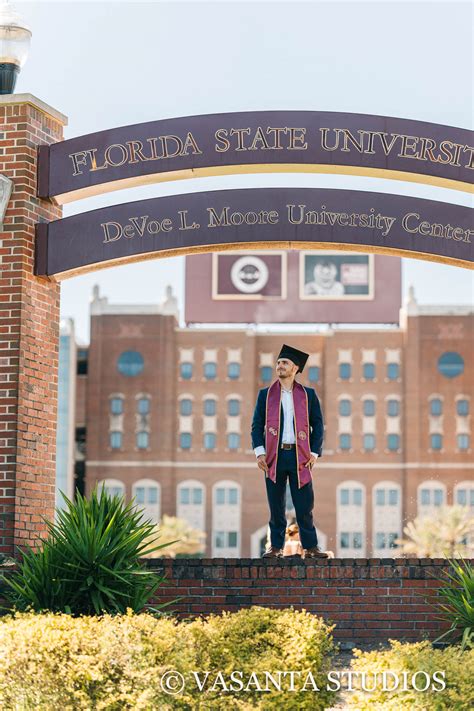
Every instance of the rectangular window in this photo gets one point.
(393, 408)
(152, 494)
(233, 496)
(357, 497)
(219, 539)
(142, 440)
(393, 442)
(233, 440)
(313, 374)
(462, 407)
(345, 407)
(185, 406)
(266, 373)
(210, 371)
(369, 371)
(116, 406)
(184, 496)
(392, 540)
(379, 499)
(463, 441)
(436, 441)
(209, 407)
(233, 371)
(425, 497)
(461, 496)
(232, 539)
(197, 496)
(140, 494)
(220, 496)
(185, 440)
(357, 540)
(369, 442)
(344, 497)
(344, 540)
(345, 371)
(186, 370)
(369, 408)
(393, 371)
(345, 441)
(438, 498)
(380, 540)
(393, 497)
(115, 440)
(143, 406)
(209, 440)
(233, 407)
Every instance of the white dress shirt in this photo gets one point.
(288, 435)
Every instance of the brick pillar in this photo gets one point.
(29, 329)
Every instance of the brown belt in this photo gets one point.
(284, 445)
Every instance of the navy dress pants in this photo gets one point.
(303, 501)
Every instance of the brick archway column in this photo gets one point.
(29, 329)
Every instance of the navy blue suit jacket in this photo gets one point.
(316, 425)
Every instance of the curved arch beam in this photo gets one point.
(256, 142)
(289, 218)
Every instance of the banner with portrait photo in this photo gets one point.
(346, 276)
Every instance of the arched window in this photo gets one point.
(210, 406)
(143, 405)
(369, 407)
(436, 406)
(233, 406)
(345, 407)
(185, 406)
(116, 405)
(147, 494)
(393, 407)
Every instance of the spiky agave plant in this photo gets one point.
(90, 561)
(457, 602)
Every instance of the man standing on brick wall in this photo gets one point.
(287, 437)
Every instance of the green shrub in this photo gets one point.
(457, 602)
(55, 661)
(456, 664)
(89, 563)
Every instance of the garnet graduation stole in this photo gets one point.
(272, 430)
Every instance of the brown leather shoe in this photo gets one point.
(314, 552)
(273, 552)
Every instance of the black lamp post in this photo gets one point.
(15, 37)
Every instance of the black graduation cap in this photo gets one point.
(297, 357)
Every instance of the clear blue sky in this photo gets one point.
(106, 64)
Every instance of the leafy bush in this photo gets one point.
(457, 602)
(456, 664)
(55, 661)
(89, 563)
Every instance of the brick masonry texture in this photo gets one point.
(29, 334)
(368, 599)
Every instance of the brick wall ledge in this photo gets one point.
(370, 600)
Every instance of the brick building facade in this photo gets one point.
(166, 411)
